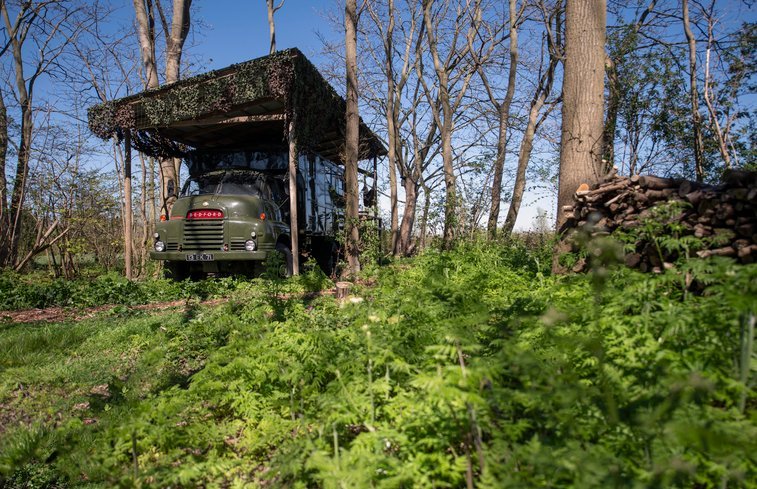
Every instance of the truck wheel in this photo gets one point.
(287, 263)
(177, 271)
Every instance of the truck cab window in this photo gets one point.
(201, 185)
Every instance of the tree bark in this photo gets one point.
(24, 147)
(271, 24)
(392, 129)
(696, 117)
(503, 111)
(351, 139)
(408, 216)
(294, 218)
(128, 214)
(583, 100)
(146, 37)
(524, 155)
(445, 131)
(4, 222)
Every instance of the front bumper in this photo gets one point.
(259, 255)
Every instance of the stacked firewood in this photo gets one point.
(723, 217)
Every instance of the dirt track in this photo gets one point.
(60, 314)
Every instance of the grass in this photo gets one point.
(467, 367)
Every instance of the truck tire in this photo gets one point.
(287, 265)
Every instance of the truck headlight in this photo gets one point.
(250, 245)
(160, 246)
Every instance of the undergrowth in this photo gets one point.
(472, 367)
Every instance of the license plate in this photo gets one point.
(200, 257)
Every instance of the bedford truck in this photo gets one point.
(233, 213)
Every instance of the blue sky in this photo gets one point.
(235, 31)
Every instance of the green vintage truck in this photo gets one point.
(233, 212)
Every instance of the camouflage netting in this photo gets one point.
(286, 76)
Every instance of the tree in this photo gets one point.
(453, 75)
(696, 116)
(583, 99)
(175, 33)
(272, 9)
(351, 139)
(51, 26)
(552, 18)
(503, 115)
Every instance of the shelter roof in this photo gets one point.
(229, 108)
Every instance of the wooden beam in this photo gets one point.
(293, 216)
(224, 119)
(128, 218)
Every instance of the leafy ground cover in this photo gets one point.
(38, 291)
(468, 368)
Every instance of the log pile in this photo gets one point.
(722, 217)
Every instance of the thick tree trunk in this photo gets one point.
(504, 119)
(408, 216)
(351, 139)
(180, 23)
(146, 35)
(696, 117)
(583, 100)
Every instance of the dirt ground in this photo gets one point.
(60, 314)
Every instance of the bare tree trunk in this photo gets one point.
(445, 130)
(128, 216)
(145, 218)
(543, 90)
(614, 92)
(392, 130)
(294, 218)
(503, 110)
(613, 106)
(408, 215)
(351, 139)
(721, 133)
(175, 35)
(424, 216)
(24, 147)
(146, 36)
(271, 25)
(583, 99)
(524, 156)
(696, 117)
(4, 214)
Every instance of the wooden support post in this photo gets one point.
(294, 218)
(128, 218)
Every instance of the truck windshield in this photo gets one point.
(227, 183)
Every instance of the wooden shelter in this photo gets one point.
(277, 100)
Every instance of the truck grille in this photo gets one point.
(203, 234)
(237, 245)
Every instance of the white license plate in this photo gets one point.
(200, 257)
